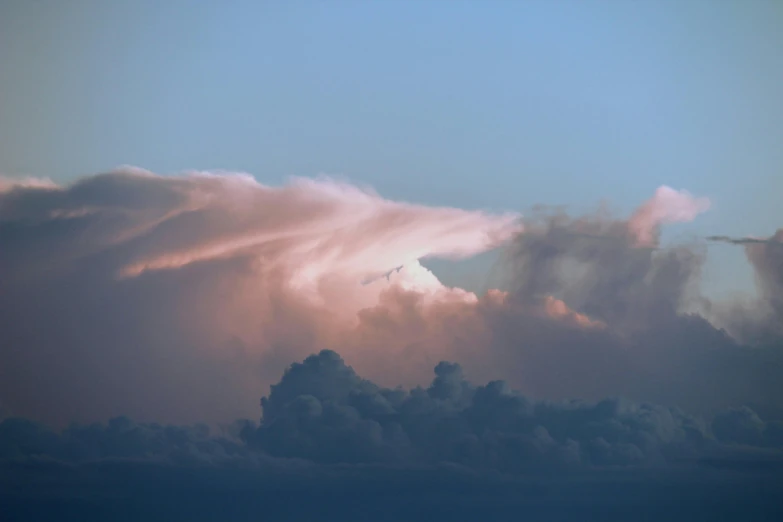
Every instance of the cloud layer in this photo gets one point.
(180, 298)
(323, 412)
(334, 445)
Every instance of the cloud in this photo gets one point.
(333, 443)
(8, 184)
(742, 240)
(121, 438)
(178, 298)
(666, 206)
(322, 411)
(315, 227)
(759, 320)
(743, 426)
(184, 282)
(596, 266)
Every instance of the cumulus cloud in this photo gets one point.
(178, 298)
(322, 411)
(342, 444)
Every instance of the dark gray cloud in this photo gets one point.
(656, 346)
(322, 411)
(334, 445)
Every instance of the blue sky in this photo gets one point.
(499, 105)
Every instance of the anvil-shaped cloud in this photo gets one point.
(178, 298)
(316, 234)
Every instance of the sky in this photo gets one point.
(499, 106)
(349, 260)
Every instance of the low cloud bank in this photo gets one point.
(332, 445)
(323, 412)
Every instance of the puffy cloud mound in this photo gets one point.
(666, 206)
(322, 410)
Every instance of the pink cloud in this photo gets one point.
(666, 206)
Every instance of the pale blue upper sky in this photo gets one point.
(490, 104)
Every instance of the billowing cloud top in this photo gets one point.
(666, 206)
